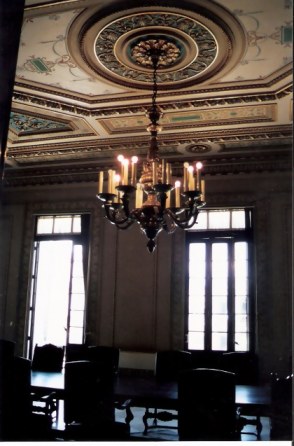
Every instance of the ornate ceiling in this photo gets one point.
(83, 79)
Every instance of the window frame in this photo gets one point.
(77, 238)
(220, 235)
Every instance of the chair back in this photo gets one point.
(76, 352)
(48, 358)
(169, 363)
(243, 364)
(206, 405)
(88, 398)
(107, 357)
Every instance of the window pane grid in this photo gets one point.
(218, 284)
(220, 219)
(58, 224)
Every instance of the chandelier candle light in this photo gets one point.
(156, 203)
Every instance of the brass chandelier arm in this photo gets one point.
(112, 212)
(189, 220)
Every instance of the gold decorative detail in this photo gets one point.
(169, 52)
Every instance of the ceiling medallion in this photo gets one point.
(201, 44)
(190, 48)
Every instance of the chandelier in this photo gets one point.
(153, 200)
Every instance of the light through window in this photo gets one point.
(59, 270)
(219, 281)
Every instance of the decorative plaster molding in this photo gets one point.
(219, 165)
(238, 98)
(138, 142)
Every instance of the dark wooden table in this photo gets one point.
(148, 392)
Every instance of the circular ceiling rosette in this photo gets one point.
(194, 48)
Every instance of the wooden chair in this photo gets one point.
(169, 363)
(206, 406)
(15, 407)
(243, 364)
(76, 352)
(281, 407)
(47, 358)
(28, 425)
(106, 356)
(89, 411)
(245, 367)
(20, 423)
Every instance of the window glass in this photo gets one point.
(241, 304)
(197, 259)
(220, 322)
(78, 285)
(197, 304)
(196, 340)
(196, 286)
(75, 335)
(241, 342)
(201, 220)
(238, 219)
(219, 268)
(76, 318)
(62, 225)
(241, 268)
(219, 341)
(196, 322)
(59, 224)
(44, 225)
(241, 321)
(77, 302)
(219, 219)
(76, 226)
(77, 269)
(220, 304)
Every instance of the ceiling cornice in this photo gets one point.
(25, 91)
(219, 165)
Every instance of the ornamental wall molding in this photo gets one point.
(60, 135)
(136, 143)
(88, 174)
(58, 105)
(52, 136)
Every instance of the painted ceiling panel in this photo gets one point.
(44, 57)
(224, 92)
